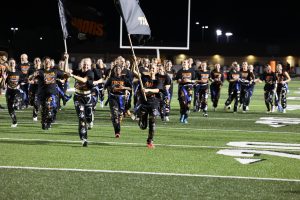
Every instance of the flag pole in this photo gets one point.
(66, 60)
(65, 43)
(137, 68)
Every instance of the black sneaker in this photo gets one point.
(45, 127)
(84, 142)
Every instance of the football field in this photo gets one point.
(227, 155)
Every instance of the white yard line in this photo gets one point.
(149, 173)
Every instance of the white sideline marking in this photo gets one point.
(293, 98)
(250, 153)
(269, 145)
(150, 173)
(247, 161)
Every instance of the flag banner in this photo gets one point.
(82, 20)
(133, 16)
(63, 20)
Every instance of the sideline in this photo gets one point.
(150, 173)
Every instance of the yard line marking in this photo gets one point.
(142, 144)
(149, 173)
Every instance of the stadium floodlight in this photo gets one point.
(228, 34)
(219, 33)
(185, 46)
(203, 28)
(14, 29)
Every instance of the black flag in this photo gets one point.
(133, 16)
(63, 19)
(80, 20)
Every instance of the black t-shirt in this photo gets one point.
(26, 70)
(281, 77)
(104, 72)
(149, 83)
(97, 73)
(13, 79)
(87, 85)
(182, 74)
(247, 76)
(47, 80)
(116, 82)
(202, 77)
(234, 75)
(217, 76)
(163, 80)
(269, 78)
(34, 86)
(172, 73)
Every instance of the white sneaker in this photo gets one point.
(273, 109)
(167, 119)
(133, 117)
(247, 108)
(13, 125)
(35, 119)
(101, 104)
(90, 125)
(284, 111)
(227, 107)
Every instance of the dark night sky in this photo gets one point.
(249, 21)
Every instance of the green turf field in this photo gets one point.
(37, 164)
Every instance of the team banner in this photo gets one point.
(81, 20)
(133, 16)
(63, 20)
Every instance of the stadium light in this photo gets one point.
(228, 34)
(203, 29)
(14, 29)
(219, 33)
